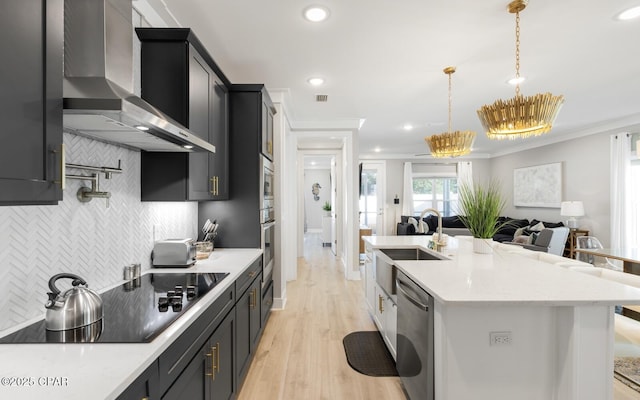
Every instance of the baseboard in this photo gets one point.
(279, 303)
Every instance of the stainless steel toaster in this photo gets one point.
(174, 253)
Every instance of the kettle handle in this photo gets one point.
(52, 282)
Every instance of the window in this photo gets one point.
(435, 192)
(634, 191)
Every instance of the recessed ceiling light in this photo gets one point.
(316, 13)
(629, 13)
(313, 163)
(142, 127)
(407, 127)
(377, 150)
(516, 81)
(315, 81)
(188, 146)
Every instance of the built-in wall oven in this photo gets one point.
(267, 218)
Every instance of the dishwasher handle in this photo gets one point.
(399, 285)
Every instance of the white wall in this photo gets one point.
(87, 239)
(585, 177)
(313, 209)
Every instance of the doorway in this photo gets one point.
(320, 194)
(371, 205)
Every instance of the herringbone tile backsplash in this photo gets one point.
(87, 239)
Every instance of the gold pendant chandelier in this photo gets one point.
(520, 117)
(450, 144)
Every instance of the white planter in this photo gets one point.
(482, 246)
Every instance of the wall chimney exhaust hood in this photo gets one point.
(98, 83)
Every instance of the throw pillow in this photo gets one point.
(537, 227)
(413, 222)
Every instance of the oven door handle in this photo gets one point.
(267, 225)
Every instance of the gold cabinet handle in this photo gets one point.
(253, 298)
(63, 172)
(252, 274)
(213, 184)
(380, 303)
(216, 365)
(212, 375)
(215, 361)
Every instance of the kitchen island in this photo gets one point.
(103, 370)
(560, 323)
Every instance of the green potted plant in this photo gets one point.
(327, 207)
(479, 208)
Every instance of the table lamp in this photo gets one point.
(572, 209)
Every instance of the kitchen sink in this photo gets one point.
(410, 254)
(386, 271)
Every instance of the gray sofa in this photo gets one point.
(453, 226)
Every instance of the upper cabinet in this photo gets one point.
(32, 154)
(181, 79)
(267, 128)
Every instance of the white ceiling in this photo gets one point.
(383, 60)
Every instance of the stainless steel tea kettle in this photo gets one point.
(76, 307)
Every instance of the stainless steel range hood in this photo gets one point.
(98, 82)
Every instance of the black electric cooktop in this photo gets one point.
(134, 312)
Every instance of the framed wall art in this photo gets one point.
(538, 186)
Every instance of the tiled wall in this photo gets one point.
(87, 239)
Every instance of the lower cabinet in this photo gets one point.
(267, 302)
(210, 374)
(211, 358)
(144, 387)
(385, 316)
(248, 330)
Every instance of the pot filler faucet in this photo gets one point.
(86, 194)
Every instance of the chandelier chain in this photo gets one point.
(449, 102)
(518, 54)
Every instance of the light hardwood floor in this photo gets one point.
(301, 356)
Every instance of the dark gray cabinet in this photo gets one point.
(239, 219)
(211, 357)
(31, 161)
(144, 387)
(210, 374)
(266, 131)
(248, 318)
(267, 302)
(180, 78)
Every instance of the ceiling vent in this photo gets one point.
(322, 98)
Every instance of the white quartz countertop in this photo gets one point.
(505, 278)
(104, 370)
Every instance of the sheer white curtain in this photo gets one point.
(620, 182)
(407, 190)
(465, 174)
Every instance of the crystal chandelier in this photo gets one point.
(450, 144)
(520, 117)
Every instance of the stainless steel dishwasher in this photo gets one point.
(415, 339)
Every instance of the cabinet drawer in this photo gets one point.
(247, 277)
(267, 303)
(180, 353)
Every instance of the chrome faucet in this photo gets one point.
(438, 230)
